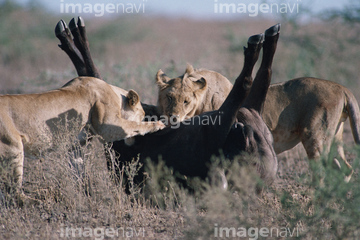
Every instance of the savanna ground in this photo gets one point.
(128, 51)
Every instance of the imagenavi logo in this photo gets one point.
(253, 9)
(253, 233)
(100, 9)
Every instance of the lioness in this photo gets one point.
(307, 110)
(29, 122)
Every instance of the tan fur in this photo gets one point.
(195, 92)
(30, 122)
(307, 110)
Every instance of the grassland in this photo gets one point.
(128, 52)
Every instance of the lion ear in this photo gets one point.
(200, 84)
(161, 79)
(132, 98)
(189, 68)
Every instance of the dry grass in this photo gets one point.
(128, 52)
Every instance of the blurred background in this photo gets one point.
(131, 40)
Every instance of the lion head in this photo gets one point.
(179, 97)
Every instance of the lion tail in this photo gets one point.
(352, 109)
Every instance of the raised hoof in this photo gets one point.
(80, 22)
(256, 39)
(60, 27)
(272, 31)
(72, 24)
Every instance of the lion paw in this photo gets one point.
(158, 126)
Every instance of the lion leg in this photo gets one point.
(125, 129)
(314, 147)
(112, 127)
(18, 169)
(340, 151)
(313, 144)
(12, 156)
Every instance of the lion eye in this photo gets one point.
(186, 102)
(169, 98)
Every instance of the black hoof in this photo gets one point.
(272, 31)
(256, 39)
(60, 27)
(72, 24)
(80, 22)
